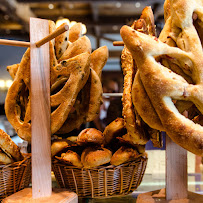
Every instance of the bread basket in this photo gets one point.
(102, 181)
(15, 176)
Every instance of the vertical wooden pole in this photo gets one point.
(40, 110)
(176, 171)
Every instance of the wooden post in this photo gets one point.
(40, 110)
(176, 171)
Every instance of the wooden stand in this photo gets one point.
(41, 131)
(58, 195)
(176, 179)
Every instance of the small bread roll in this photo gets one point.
(58, 146)
(123, 154)
(9, 147)
(113, 130)
(71, 158)
(93, 157)
(91, 135)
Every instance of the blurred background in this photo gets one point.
(102, 22)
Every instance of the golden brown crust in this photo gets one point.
(95, 96)
(58, 146)
(80, 46)
(78, 69)
(163, 85)
(87, 106)
(98, 59)
(91, 135)
(61, 43)
(143, 104)
(9, 147)
(124, 154)
(148, 17)
(136, 133)
(113, 130)
(13, 70)
(71, 158)
(68, 78)
(93, 157)
(75, 32)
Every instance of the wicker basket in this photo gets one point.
(102, 181)
(15, 176)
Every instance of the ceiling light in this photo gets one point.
(137, 4)
(51, 6)
(118, 5)
(115, 27)
(71, 6)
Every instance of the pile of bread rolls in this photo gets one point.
(94, 148)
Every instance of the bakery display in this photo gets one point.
(96, 149)
(179, 47)
(92, 167)
(76, 89)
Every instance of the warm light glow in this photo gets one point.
(8, 83)
(2, 84)
(118, 4)
(5, 84)
(137, 4)
(84, 29)
(51, 6)
(72, 23)
(61, 21)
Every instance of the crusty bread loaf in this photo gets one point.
(124, 154)
(58, 146)
(95, 156)
(71, 158)
(113, 130)
(9, 147)
(90, 135)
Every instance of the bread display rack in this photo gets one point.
(176, 157)
(40, 92)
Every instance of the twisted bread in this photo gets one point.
(161, 84)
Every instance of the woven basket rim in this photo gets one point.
(100, 168)
(16, 163)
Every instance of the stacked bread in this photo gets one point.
(138, 131)
(9, 151)
(75, 77)
(167, 89)
(94, 148)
